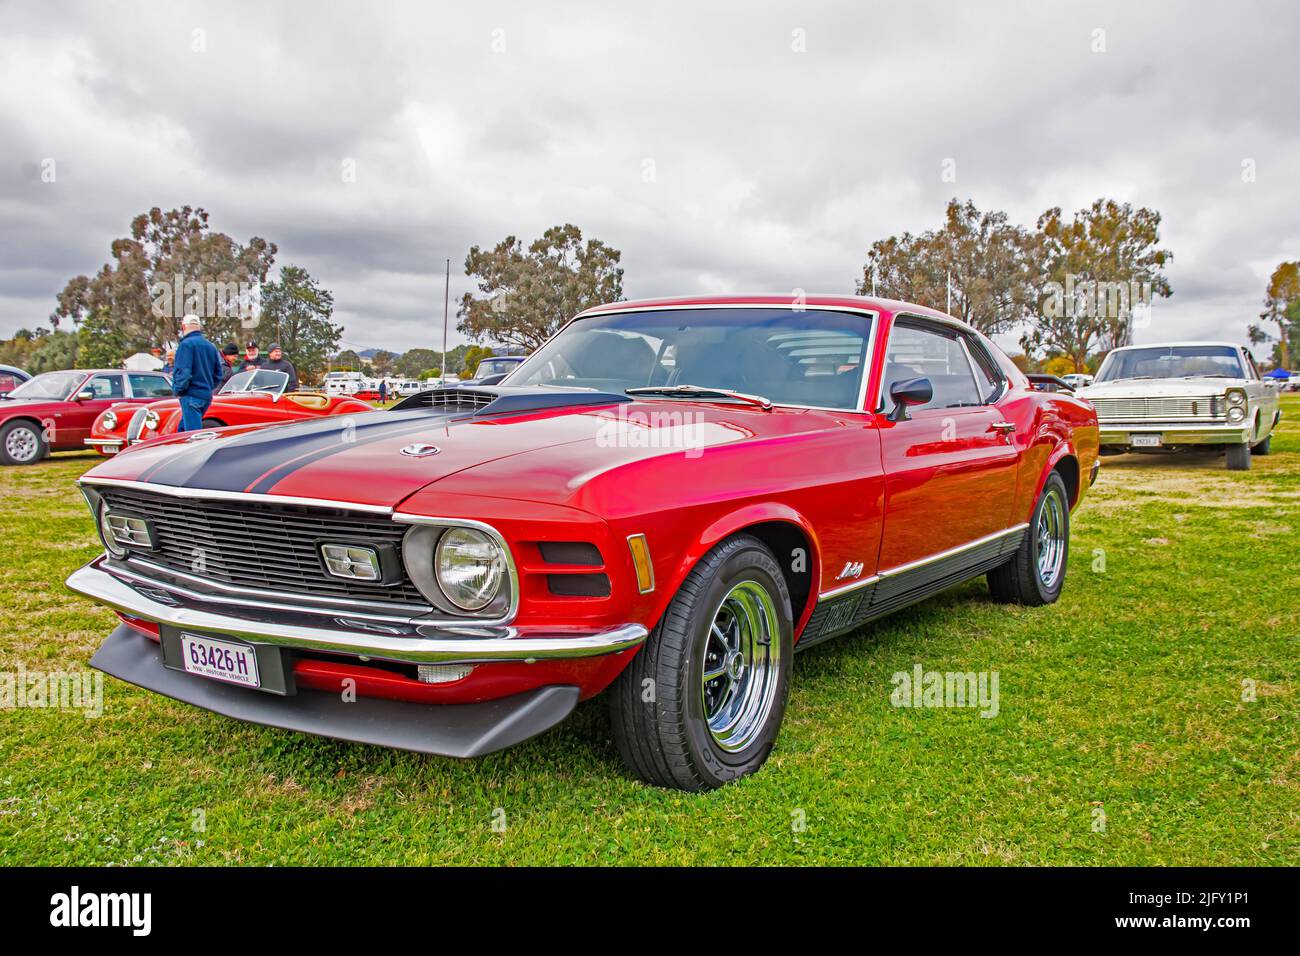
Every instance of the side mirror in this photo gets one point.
(912, 391)
(85, 395)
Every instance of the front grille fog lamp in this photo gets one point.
(470, 567)
(442, 673)
(351, 561)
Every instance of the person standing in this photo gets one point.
(230, 354)
(199, 370)
(278, 363)
(251, 360)
(169, 366)
(383, 391)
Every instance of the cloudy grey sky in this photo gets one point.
(773, 169)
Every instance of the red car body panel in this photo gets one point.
(856, 492)
(240, 408)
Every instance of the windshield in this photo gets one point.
(791, 357)
(257, 380)
(494, 366)
(1171, 361)
(51, 385)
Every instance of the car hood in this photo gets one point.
(361, 459)
(1166, 387)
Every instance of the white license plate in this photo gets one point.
(220, 660)
(1145, 441)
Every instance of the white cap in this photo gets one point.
(191, 321)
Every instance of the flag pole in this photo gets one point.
(446, 303)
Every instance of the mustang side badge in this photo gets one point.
(851, 570)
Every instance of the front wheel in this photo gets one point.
(1239, 457)
(21, 443)
(1036, 572)
(701, 703)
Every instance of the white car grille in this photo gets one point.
(1207, 408)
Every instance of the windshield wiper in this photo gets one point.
(699, 391)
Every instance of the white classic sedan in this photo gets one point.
(1182, 394)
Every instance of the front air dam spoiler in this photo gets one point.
(448, 730)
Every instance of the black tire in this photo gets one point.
(667, 740)
(1238, 457)
(21, 443)
(1020, 580)
(1264, 447)
(213, 423)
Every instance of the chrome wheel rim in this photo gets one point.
(21, 444)
(1051, 538)
(741, 667)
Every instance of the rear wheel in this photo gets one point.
(213, 423)
(702, 702)
(1239, 457)
(21, 443)
(1036, 572)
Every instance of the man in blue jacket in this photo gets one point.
(199, 370)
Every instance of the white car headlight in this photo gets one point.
(109, 421)
(1236, 414)
(150, 419)
(470, 567)
(1236, 396)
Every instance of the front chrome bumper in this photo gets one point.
(1121, 433)
(106, 444)
(413, 643)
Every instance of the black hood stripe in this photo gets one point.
(260, 459)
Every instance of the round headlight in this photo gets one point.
(1236, 413)
(150, 419)
(470, 567)
(1236, 397)
(106, 534)
(109, 421)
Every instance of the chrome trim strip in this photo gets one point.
(444, 648)
(209, 494)
(104, 441)
(922, 562)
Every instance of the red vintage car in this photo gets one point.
(670, 497)
(248, 398)
(55, 410)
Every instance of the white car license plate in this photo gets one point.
(1145, 441)
(219, 660)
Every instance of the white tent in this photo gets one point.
(143, 362)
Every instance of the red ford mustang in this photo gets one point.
(670, 497)
(249, 398)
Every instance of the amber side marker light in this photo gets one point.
(645, 572)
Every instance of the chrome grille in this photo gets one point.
(1162, 409)
(264, 546)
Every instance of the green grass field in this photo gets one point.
(1127, 704)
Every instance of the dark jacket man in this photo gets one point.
(199, 370)
(278, 363)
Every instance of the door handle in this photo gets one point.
(1005, 428)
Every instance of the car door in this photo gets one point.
(951, 465)
(1260, 394)
(73, 426)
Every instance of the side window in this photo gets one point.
(917, 351)
(149, 386)
(1252, 369)
(988, 377)
(107, 386)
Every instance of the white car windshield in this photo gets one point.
(57, 386)
(809, 357)
(494, 367)
(257, 380)
(1172, 361)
